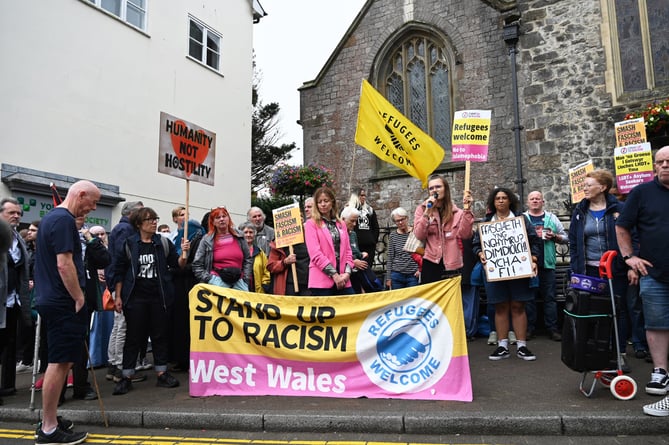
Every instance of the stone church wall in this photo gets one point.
(566, 112)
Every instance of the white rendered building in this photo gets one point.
(82, 86)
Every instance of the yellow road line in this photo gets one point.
(182, 440)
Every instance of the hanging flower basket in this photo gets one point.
(295, 180)
(656, 117)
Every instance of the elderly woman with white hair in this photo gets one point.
(402, 268)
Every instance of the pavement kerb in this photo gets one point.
(511, 397)
(573, 424)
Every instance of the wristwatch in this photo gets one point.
(627, 257)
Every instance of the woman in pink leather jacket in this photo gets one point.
(442, 225)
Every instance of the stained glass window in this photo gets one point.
(643, 43)
(416, 80)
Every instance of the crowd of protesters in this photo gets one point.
(149, 270)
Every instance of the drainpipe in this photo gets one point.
(511, 32)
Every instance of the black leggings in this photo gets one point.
(143, 319)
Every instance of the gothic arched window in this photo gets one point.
(415, 76)
(641, 44)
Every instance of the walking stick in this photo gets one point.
(97, 388)
(35, 363)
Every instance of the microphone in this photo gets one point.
(430, 203)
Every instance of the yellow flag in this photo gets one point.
(393, 138)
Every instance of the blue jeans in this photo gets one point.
(399, 280)
(635, 311)
(470, 308)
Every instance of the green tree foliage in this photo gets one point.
(265, 153)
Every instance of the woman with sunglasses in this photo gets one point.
(329, 248)
(143, 275)
(591, 233)
(223, 257)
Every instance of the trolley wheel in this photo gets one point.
(623, 387)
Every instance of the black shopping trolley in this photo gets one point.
(590, 333)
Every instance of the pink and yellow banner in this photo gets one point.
(407, 343)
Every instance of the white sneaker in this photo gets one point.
(21, 368)
(659, 409)
(492, 338)
(143, 365)
(512, 338)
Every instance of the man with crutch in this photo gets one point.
(59, 272)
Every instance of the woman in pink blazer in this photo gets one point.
(329, 248)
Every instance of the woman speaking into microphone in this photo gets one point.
(442, 225)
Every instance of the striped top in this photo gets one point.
(398, 259)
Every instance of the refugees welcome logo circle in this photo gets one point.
(413, 345)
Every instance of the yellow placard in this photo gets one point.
(577, 180)
(630, 132)
(288, 229)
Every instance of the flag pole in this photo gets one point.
(295, 284)
(185, 254)
(350, 178)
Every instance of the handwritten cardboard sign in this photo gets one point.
(288, 225)
(506, 248)
(186, 150)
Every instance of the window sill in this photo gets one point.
(204, 65)
(117, 18)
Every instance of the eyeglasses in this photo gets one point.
(153, 220)
(99, 234)
(219, 207)
(401, 220)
